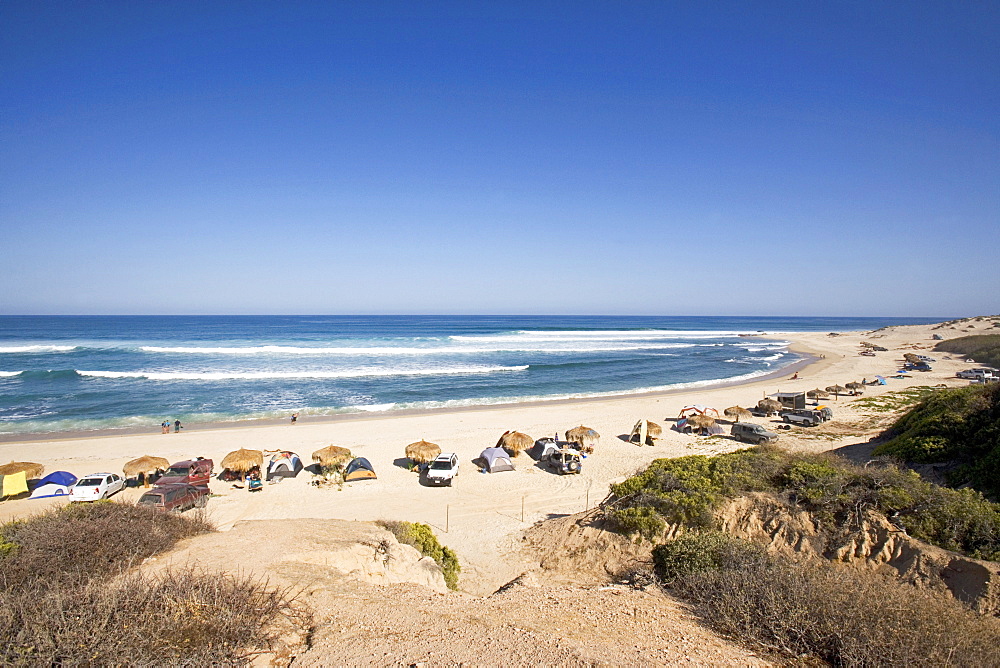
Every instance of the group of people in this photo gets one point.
(165, 426)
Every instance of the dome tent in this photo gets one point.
(284, 465)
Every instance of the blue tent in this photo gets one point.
(59, 478)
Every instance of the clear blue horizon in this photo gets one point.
(482, 158)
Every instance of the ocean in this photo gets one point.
(79, 373)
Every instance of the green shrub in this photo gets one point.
(642, 521)
(422, 537)
(983, 348)
(957, 426)
(830, 612)
(687, 491)
(691, 553)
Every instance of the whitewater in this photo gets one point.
(77, 373)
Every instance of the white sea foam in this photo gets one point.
(491, 401)
(291, 375)
(7, 374)
(515, 347)
(595, 335)
(36, 349)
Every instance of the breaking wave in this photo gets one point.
(293, 375)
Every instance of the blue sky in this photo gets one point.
(500, 157)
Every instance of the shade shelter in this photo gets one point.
(738, 413)
(146, 466)
(701, 423)
(698, 409)
(585, 436)
(855, 388)
(792, 400)
(283, 464)
(644, 432)
(332, 455)
(817, 394)
(31, 470)
(768, 406)
(514, 442)
(56, 483)
(422, 451)
(496, 460)
(243, 461)
(359, 469)
(836, 390)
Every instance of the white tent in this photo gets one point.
(49, 489)
(284, 465)
(496, 459)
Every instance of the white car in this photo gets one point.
(96, 486)
(976, 374)
(443, 469)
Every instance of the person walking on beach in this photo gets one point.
(177, 426)
(295, 418)
(165, 427)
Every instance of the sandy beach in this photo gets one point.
(482, 515)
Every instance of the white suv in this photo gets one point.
(443, 469)
(96, 486)
(976, 374)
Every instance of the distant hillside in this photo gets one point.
(959, 426)
(984, 348)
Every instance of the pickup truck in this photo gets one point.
(803, 417)
(176, 497)
(443, 469)
(190, 471)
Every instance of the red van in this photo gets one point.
(190, 471)
(177, 497)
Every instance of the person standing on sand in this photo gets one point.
(177, 426)
(164, 427)
(295, 417)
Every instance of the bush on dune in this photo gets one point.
(983, 348)
(67, 598)
(959, 426)
(830, 612)
(422, 537)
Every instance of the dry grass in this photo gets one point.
(837, 614)
(67, 597)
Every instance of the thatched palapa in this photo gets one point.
(332, 455)
(855, 387)
(768, 406)
(737, 413)
(422, 452)
(701, 422)
(514, 442)
(31, 469)
(642, 428)
(585, 436)
(145, 465)
(243, 460)
(836, 390)
(817, 394)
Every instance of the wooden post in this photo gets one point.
(586, 505)
(447, 518)
(522, 508)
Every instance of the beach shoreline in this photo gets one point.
(808, 359)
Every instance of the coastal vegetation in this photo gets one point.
(957, 427)
(815, 610)
(67, 596)
(422, 537)
(983, 348)
(688, 490)
(807, 608)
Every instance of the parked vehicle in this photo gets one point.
(976, 374)
(565, 461)
(918, 366)
(749, 432)
(804, 418)
(824, 412)
(96, 486)
(443, 469)
(190, 472)
(925, 358)
(176, 497)
(880, 349)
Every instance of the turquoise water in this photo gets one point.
(73, 373)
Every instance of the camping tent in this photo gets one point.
(56, 483)
(496, 460)
(359, 469)
(284, 465)
(542, 448)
